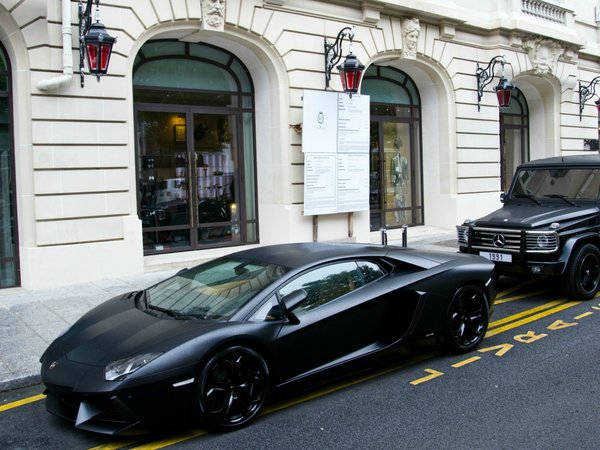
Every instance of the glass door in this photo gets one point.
(187, 179)
(395, 190)
(163, 180)
(216, 187)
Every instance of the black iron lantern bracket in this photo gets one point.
(587, 92)
(485, 76)
(333, 51)
(94, 41)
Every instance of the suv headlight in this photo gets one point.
(544, 242)
(462, 232)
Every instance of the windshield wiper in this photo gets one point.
(562, 197)
(529, 196)
(141, 301)
(170, 312)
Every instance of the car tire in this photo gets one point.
(232, 388)
(583, 273)
(467, 319)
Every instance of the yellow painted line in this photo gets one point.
(502, 349)
(530, 319)
(466, 361)
(115, 445)
(581, 316)
(514, 288)
(522, 314)
(519, 297)
(432, 375)
(171, 441)
(25, 401)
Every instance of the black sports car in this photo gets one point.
(214, 340)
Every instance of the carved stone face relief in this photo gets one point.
(543, 54)
(213, 14)
(410, 37)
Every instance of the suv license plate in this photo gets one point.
(501, 257)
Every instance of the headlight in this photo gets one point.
(124, 367)
(463, 234)
(543, 241)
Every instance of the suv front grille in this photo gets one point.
(505, 240)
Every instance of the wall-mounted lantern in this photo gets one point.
(587, 92)
(351, 70)
(94, 41)
(484, 77)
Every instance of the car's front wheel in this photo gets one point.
(467, 319)
(232, 388)
(583, 274)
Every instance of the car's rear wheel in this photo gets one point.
(467, 319)
(583, 274)
(232, 388)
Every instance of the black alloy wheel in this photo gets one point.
(583, 275)
(467, 319)
(232, 388)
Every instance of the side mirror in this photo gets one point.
(291, 301)
(502, 196)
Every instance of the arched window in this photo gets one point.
(195, 147)
(396, 192)
(514, 137)
(9, 246)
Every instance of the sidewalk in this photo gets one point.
(31, 319)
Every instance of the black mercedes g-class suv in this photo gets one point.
(548, 226)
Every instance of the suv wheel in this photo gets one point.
(583, 274)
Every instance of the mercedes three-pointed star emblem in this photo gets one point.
(499, 240)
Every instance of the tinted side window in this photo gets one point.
(370, 271)
(330, 282)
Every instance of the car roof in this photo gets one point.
(300, 255)
(297, 255)
(572, 160)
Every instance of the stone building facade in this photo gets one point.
(191, 145)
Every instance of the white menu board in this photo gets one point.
(335, 142)
(353, 124)
(320, 180)
(352, 182)
(319, 122)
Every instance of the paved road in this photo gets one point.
(532, 384)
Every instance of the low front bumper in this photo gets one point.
(140, 410)
(79, 393)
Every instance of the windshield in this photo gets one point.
(215, 290)
(558, 182)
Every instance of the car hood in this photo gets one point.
(117, 330)
(526, 216)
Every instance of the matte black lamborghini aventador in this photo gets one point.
(214, 340)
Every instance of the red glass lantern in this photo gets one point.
(503, 92)
(98, 47)
(351, 73)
